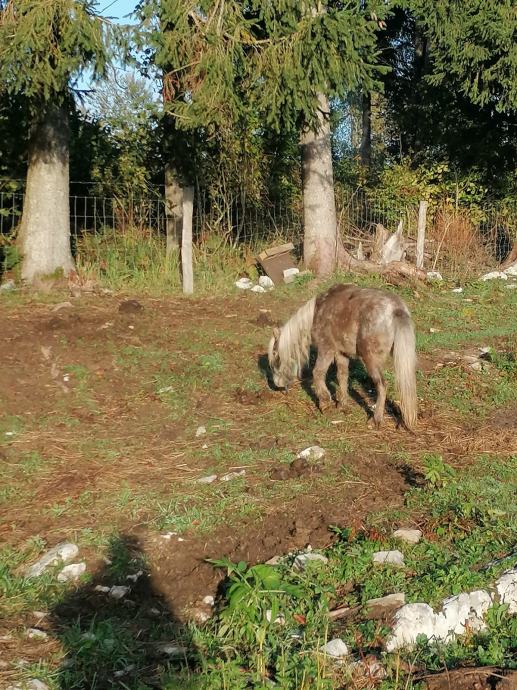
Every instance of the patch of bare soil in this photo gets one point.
(99, 335)
(473, 679)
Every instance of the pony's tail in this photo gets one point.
(404, 359)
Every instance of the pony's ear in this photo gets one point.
(276, 333)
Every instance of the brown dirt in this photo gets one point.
(473, 679)
(36, 344)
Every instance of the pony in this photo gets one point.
(348, 322)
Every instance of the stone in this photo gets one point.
(279, 620)
(312, 453)
(200, 431)
(458, 612)
(101, 588)
(135, 576)
(36, 634)
(33, 684)
(290, 274)
(335, 648)
(511, 286)
(118, 591)
(410, 536)
(232, 475)
(257, 288)
(207, 480)
(383, 606)
(266, 283)
(511, 270)
(209, 600)
(63, 552)
(395, 557)
(506, 587)
(302, 559)
(8, 286)
(434, 275)
(244, 284)
(476, 366)
(71, 572)
(458, 289)
(173, 650)
(130, 306)
(494, 275)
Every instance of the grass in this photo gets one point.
(120, 455)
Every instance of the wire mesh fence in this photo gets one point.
(459, 240)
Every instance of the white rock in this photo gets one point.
(485, 350)
(101, 588)
(312, 453)
(168, 535)
(460, 611)
(33, 684)
(244, 284)
(494, 275)
(301, 560)
(410, 621)
(71, 572)
(511, 270)
(434, 275)
(258, 288)
(165, 389)
(434, 330)
(467, 608)
(209, 600)
(135, 576)
(266, 282)
(335, 648)
(207, 480)
(279, 620)
(511, 286)
(118, 591)
(173, 650)
(63, 552)
(200, 431)
(506, 587)
(411, 536)
(395, 557)
(290, 274)
(458, 289)
(477, 366)
(36, 634)
(7, 286)
(232, 475)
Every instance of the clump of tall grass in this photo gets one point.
(136, 260)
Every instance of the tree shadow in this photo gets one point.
(133, 642)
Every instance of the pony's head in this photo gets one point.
(282, 375)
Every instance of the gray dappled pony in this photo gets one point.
(343, 323)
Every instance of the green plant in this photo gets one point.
(436, 471)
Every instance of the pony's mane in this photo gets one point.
(295, 339)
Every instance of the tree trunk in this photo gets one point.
(365, 149)
(44, 237)
(319, 208)
(173, 209)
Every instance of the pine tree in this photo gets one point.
(44, 46)
(281, 60)
(475, 43)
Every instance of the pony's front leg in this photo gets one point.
(323, 362)
(342, 364)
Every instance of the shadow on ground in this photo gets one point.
(134, 642)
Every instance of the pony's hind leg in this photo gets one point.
(323, 362)
(373, 367)
(342, 364)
